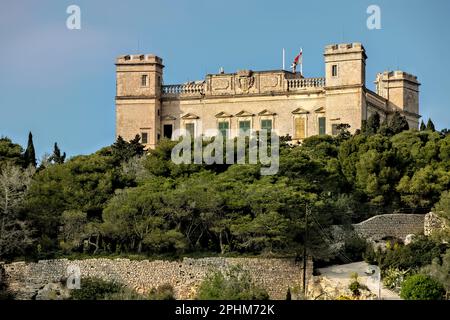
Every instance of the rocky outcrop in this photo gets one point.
(432, 223)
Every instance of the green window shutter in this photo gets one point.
(191, 129)
(223, 128)
(244, 127)
(266, 125)
(322, 127)
(144, 136)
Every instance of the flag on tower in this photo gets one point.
(298, 59)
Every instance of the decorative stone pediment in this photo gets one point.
(244, 113)
(320, 110)
(266, 112)
(169, 117)
(189, 116)
(300, 111)
(223, 114)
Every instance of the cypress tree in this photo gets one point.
(56, 157)
(430, 125)
(422, 126)
(288, 294)
(30, 155)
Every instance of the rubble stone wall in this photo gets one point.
(275, 275)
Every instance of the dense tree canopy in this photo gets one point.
(119, 200)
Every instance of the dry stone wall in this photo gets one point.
(391, 225)
(275, 275)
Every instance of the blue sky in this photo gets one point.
(60, 83)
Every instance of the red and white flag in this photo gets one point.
(298, 59)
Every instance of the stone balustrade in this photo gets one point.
(184, 89)
(294, 84)
(199, 89)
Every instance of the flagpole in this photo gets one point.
(284, 54)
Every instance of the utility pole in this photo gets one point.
(304, 250)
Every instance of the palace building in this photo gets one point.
(278, 100)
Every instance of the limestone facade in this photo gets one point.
(245, 101)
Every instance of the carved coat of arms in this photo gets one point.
(245, 80)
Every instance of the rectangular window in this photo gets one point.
(266, 125)
(167, 131)
(244, 127)
(322, 127)
(334, 70)
(223, 129)
(334, 129)
(190, 128)
(144, 137)
(144, 80)
(300, 128)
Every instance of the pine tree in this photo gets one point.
(123, 151)
(56, 157)
(398, 123)
(422, 126)
(385, 130)
(430, 125)
(30, 155)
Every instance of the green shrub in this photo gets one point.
(235, 284)
(393, 277)
(440, 270)
(354, 287)
(96, 289)
(163, 292)
(124, 294)
(421, 287)
(421, 252)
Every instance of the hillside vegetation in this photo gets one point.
(120, 201)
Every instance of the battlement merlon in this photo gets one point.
(345, 48)
(397, 76)
(139, 59)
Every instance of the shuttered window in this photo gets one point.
(322, 125)
(244, 127)
(300, 128)
(223, 129)
(266, 125)
(190, 128)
